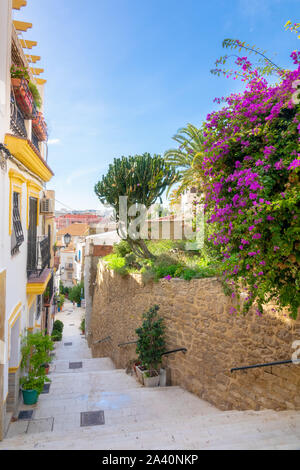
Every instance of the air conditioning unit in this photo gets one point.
(46, 206)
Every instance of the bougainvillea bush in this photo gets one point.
(251, 168)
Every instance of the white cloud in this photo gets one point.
(53, 141)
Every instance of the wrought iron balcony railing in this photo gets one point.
(38, 256)
(17, 120)
(35, 141)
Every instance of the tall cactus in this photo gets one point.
(143, 179)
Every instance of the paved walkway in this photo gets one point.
(129, 416)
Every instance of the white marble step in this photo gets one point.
(274, 432)
(98, 364)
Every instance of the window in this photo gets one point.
(70, 275)
(17, 236)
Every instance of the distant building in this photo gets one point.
(70, 259)
(64, 220)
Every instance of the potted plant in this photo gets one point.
(61, 301)
(150, 346)
(82, 326)
(22, 92)
(47, 296)
(57, 302)
(35, 354)
(47, 367)
(57, 330)
(40, 127)
(140, 369)
(76, 294)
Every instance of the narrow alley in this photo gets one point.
(129, 416)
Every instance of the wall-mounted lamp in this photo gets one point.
(67, 239)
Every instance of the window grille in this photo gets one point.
(17, 233)
(38, 306)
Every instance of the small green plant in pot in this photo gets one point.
(61, 301)
(150, 346)
(82, 326)
(57, 330)
(77, 293)
(35, 354)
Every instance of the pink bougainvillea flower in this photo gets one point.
(295, 164)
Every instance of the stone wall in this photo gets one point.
(91, 257)
(197, 317)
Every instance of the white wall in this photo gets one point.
(5, 48)
(67, 257)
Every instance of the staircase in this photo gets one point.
(135, 417)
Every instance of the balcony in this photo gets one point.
(40, 127)
(17, 120)
(35, 141)
(38, 256)
(23, 97)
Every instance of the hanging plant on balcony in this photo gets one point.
(36, 95)
(40, 127)
(19, 72)
(23, 95)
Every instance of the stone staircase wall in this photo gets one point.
(197, 317)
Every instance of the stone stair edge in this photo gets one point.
(200, 441)
(241, 425)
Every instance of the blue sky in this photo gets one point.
(125, 75)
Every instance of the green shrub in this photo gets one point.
(151, 341)
(77, 293)
(82, 325)
(58, 325)
(122, 249)
(116, 263)
(56, 335)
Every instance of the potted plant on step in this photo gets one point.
(57, 330)
(47, 296)
(82, 326)
(61, 302)
(150, 346)
(77, 294)
(35, 354)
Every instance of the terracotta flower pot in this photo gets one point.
(40, 127)
(23, 96)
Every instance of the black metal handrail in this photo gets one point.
(184, 350)
(266, 364)
(102, 340)
(129, 342)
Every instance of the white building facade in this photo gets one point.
(26, 233)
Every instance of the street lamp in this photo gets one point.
(67, 239)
